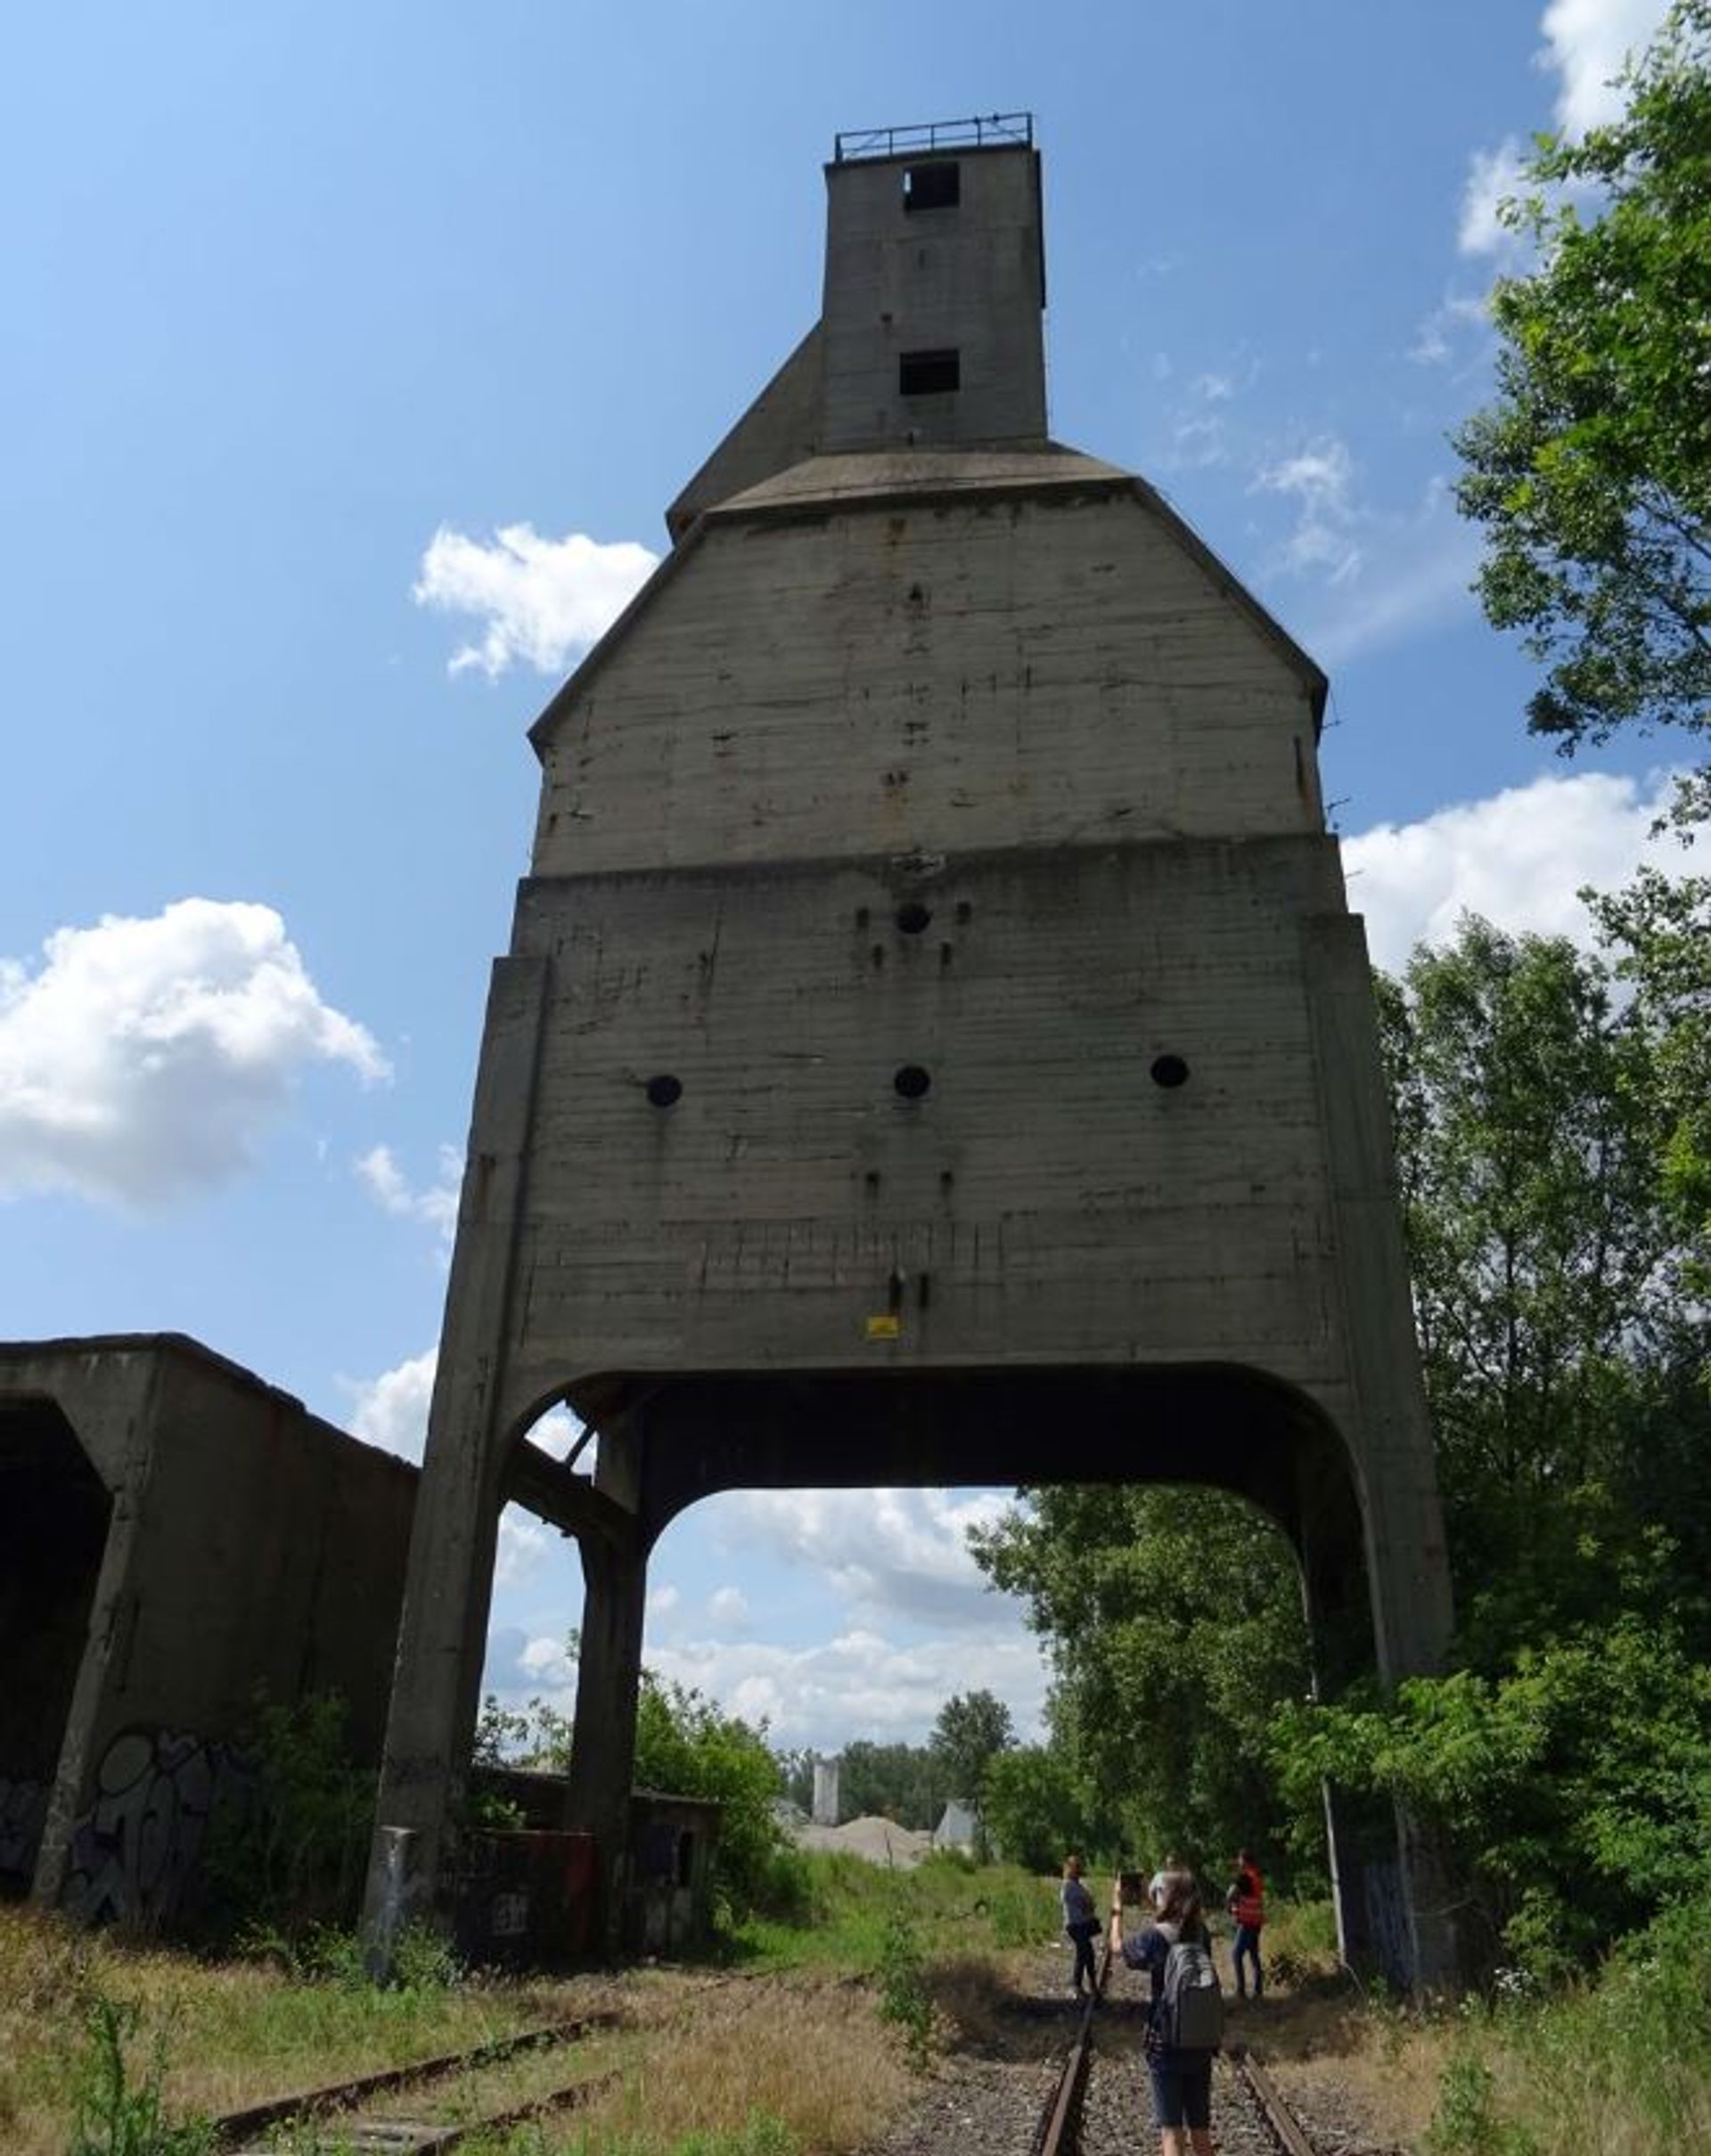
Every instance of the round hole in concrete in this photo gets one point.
(912, 1082)
(912, 916)
(665, 1091)
(1169, 1071)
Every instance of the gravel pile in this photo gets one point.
(879, 1841)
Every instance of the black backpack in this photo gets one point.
(1188, 2010)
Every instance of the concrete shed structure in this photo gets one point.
(934, 1045)
(174, 1535)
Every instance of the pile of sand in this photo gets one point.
(880, 1841)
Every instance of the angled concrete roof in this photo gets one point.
(866, 478)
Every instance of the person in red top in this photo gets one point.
(1246, 1902)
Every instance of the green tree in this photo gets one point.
(972, 1728)
(907, 1782)
(1548, 1268)
(1037, 1811)
(1572, 1789)
(1590, 473)
(1658, 932)
(1174, 1623)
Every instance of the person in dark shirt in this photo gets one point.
(1080, 1921)
(1181, 2081)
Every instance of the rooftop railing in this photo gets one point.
(981, 133)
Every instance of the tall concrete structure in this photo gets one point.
(934, 1046)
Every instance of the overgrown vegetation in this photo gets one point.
(287, 1859)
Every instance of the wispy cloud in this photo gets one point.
(544, 601)
(1493, 177)
(1319, 479)
(1456, 333)
(143, 1060)
(1374, 576)
(435, 1203)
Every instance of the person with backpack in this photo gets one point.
(1246, 1902)
(1185, 2025)
(1080, 1921)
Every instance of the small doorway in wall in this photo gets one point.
(54, 1515)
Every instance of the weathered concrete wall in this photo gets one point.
(878, 675)
(248, 1547)
(968, 279)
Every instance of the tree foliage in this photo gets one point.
(1573, 1789)
(972, 1728)
(1590, 473)
(1173, 1620)
(1561, 1354)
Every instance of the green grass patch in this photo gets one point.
(850, 1909)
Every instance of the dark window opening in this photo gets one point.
(912, 916)
(912, 1082)
(665, 1091)
(1169, 1072)
(932, 186)
(929, 373)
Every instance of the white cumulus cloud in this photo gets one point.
(143, 1060)
(1518, 857)
(1588, 43)
(391, 1410)
(544, 601)
(888, 1553)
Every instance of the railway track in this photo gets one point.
(1241, 2083)
(412, 2130)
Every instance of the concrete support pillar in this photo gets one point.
(442, 1637)
(608, 1670)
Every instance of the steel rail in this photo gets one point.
(1278, 2120)
(1058, 2131)
(234, 2127)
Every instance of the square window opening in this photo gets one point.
(929, 373)
(937, 186)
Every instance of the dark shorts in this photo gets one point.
(1181, 2090)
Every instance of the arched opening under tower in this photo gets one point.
(54, 1515)
(668, 1443)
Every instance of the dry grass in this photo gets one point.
(233, 2032)
(811, 2057)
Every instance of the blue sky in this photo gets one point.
(352, 356)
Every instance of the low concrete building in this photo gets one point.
(176, 1536)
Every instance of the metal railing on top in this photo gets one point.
(977, 134)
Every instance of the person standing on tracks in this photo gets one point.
(1080, 1921)
(1181, 2080)
(1246, 1902)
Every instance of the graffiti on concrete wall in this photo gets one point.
(135, 1852)
(23, 1807)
